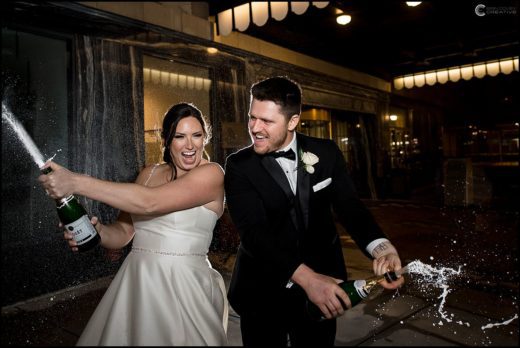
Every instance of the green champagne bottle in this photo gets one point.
(76, 220)
(357, 290)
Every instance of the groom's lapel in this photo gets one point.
(274, 169)
(303, 183)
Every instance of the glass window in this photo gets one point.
(35, 86)
(315, 122)
(169, 82)
(354, 134)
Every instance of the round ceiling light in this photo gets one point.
(343, 19)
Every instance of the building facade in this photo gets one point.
(90, 81)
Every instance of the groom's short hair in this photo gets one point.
(281, 90)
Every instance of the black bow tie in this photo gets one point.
(287, 154)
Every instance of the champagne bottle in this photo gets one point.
(76, 220)
(357, 290)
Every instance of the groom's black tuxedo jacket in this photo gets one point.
(280, 230)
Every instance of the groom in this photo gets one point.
(281, 193)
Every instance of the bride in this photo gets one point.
(166, 291)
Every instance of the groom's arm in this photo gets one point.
(277, 252)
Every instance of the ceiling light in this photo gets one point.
(212, 50)
(343, 19)
(488, 68)
(413, 3)
(259, 12)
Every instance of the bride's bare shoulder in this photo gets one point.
(210, 168)
(216, 165)
(150, 170)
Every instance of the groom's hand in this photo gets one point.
(386, 259)
(323, 291)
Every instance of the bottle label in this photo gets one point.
(360, 288)
(82, 230)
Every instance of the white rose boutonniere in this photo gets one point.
(309, 160)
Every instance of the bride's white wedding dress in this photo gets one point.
(166, 292)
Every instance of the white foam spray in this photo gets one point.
(24, 137)
(507, 322)
(439, 277)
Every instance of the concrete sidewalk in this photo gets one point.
(413, 316)
(391, 319)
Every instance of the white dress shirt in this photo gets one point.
(289, 166)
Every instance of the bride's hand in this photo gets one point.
(59, 182)
(69, 237)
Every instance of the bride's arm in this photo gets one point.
(201, 185)
(118, 234)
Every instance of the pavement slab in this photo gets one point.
(408, 317)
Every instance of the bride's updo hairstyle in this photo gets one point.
(171, 119)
